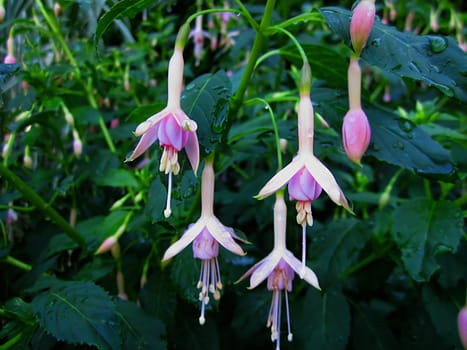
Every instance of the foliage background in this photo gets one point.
(393, 275)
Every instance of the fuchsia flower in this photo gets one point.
(206, 234)
(198, 35)
(356, 131)
(462, 326)
(172, 127)
(279, 268)
(361, 23)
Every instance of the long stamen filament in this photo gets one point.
(168, 211)
(290, 335)
(302, 270)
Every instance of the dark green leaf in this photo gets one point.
(156, 200)
(325, 320)
(206, 100)
(185, 274)
(139, 330)
(157, 298)
(19, 309)
(443, 314)
(140, 114)
(117, 178)
(424, 228)
(438, 61)
(338, 244)
(118, 10)
(78, 312)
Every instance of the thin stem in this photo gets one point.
(18, 263)
(242, 11)
(293, 39)
(40, 204)
(255, 51)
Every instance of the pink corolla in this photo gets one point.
(279, 267)
(361, 24)
(207, 234)
(172, 127)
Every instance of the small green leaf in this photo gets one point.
(117, 178)
(78, 313)
(139, 330)
(19, 309)
(206, 100)
(424, 228)
(436, 60)
(156, 200)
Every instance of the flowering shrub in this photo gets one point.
(153, 153)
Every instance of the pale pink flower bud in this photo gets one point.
(10, 57)
(106, 245)
(57, 9)
(77, 144)
(462, 326)
(361, 23)
(27, 161)
(356, 134)
(434, 23)
(283, 145)
(114, 123)
(2, 13)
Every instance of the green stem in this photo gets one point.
(293, 39)
(12, 342)
(40, 204)
(15, 262)
(242, 11)
(255, 51)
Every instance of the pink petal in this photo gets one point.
(219, 232)
(185, 240)
(326, 180)
(309, 275)
(150, 122)
(148, 138)
(281, 178)
(192, 150)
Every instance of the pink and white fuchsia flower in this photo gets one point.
(206, 234)
(361, 23)
(279, 268)
(172, 127)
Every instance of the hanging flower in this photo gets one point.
(10, 56)
(361, 23)
(172, 127)
(206, 234)
(198, 35)
(279, 268)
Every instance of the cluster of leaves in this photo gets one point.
(392, 276)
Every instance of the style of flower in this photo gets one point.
(361, 24)
(206, 234)
(172, 127)
(279, 268)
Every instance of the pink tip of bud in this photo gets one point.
(9, 59)
(57, 9)
(361, 23)
(356, 134)
(2, 13)
(462, 325)
(283, 145)
(114, 123)
(106, 245)
(77, 147)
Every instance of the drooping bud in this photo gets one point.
(77, 144)
(10, 57)
(106, 245)
(434, 23)
(462, 326)
(57, 9)
(2, 13)
(356, 134)
(361, 23)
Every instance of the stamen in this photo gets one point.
(168, 211)
(290, 335)
(302, 270)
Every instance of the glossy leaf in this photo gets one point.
(424, 228)
(206, 100)
(79, 313)
(436, 60)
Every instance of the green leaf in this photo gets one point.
(438, 61)
(325, 320)
(185, 274)
(206, 100)
(120, 9)
(158, 297)
(117, 178)
(139, 330)
(443, 314)
(78, 313)
(19, 309)
(338, 244)
(140, 114)
(6, 71)
(424, 228)
(156, 200)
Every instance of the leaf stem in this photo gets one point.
(40, 204)
(18, 263)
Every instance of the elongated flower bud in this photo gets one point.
(356, 134)
(361, 23)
